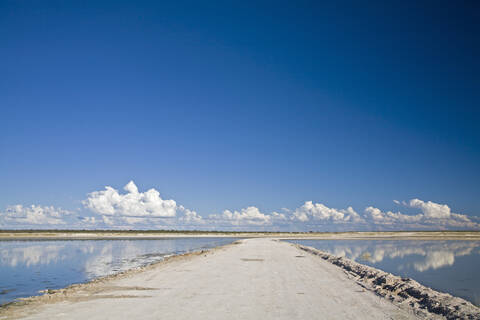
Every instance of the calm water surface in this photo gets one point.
(447, 266)
(29, 266)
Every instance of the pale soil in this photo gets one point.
(255, 279)
(413, 235)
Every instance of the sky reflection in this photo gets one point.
(29, 266)
(448, 266)
(426, 254)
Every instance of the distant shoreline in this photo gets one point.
(6, 235)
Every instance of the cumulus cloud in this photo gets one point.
(318, 211)
(130, 204)
(89, 220)
(431, 209)
(137, 208)
(246, 216)
(132, 208)
(377, 216)
(309, 212)
(34, 215)
(190, 216)
(433, 215)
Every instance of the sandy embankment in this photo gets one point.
(404, 292)
(253, 279)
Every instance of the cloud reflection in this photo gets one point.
(422, 255)
(119, 256)
(31, 255)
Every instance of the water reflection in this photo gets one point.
(449, 266)
(29, 266)
(31, 255)
(428, 254)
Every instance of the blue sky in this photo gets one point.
(224, 106)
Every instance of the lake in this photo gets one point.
(26, 267)
(447, 266)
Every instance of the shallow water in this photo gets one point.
(29, 266)
(447, 266)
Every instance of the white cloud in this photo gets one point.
(307, 213)
(137, 208)
(389, 217)
(89, 220)
(34, 215)
(276, 216)
(431, 209)
(250, 218)
(190, 216)
(130, 204)
(246, 216)
(318, 211)
(107, 220)
(133, 220)
(433, 215)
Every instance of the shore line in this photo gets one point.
(19, 235)
(16, 309)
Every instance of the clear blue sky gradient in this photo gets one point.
(224, 104)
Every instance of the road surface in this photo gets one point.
(254, 279)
